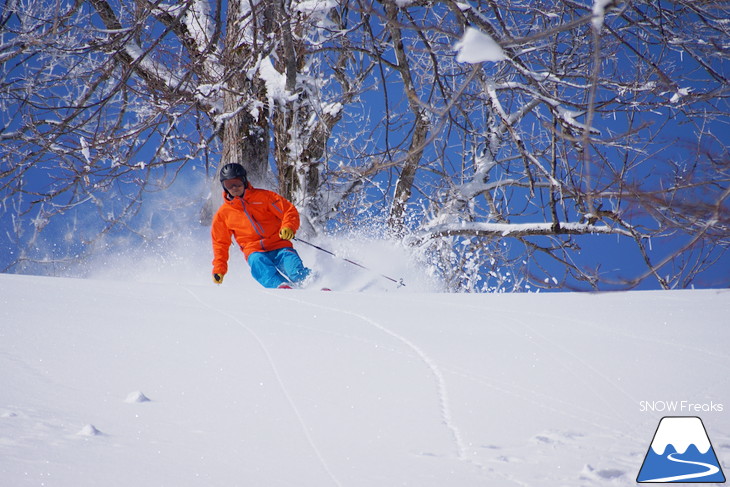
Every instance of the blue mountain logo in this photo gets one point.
(681, 452)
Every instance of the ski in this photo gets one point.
(287, 286)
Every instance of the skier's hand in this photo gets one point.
(286, 233)
(218, 278)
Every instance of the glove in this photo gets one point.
(218, 278)
(286, 233)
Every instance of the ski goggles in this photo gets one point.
(230, 184)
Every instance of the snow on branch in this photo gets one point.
(140, 58)
(477, 229)
(477, 47)
(154, 71)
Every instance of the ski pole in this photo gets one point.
(399, 282)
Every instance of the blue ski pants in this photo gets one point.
(276, 267)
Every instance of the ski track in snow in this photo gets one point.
(554, 351)
(279, 379)
(443, 396)
(561, 355)
(551, 347)
(558, 351)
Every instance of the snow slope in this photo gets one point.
(254, 387)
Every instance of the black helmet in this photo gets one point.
(233, 171)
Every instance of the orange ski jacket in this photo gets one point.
(254, 220)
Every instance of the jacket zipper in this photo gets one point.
(256, 225)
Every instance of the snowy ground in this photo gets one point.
(254, 387)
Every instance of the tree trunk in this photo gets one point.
(245, 140)
(245, 128)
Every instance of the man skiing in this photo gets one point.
(263, 224)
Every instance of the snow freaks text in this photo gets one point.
(682, 407)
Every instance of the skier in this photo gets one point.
(263, 224)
